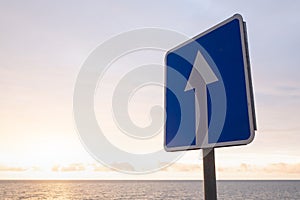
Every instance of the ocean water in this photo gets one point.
(76, 190)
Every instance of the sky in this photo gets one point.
(45, 43)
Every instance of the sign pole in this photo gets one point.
(210, 189)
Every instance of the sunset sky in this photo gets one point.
(43, 45)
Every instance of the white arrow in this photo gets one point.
(199, 78)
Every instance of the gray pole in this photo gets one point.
(210, 189)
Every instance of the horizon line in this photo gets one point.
(147, 179)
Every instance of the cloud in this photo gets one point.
(95, 167)
(244, 168)
(100, 168)
(182, 167)
(123, 166)
(273, 168)
(4, 168)
(283, 168)
(55, 168)
(241, 168)
(69, 168)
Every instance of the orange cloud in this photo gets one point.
(181, 167)
(283, 167)
(100, 168)
(123, 166)
(69, 168)
(244, 168)
(4, 168)
(273, 169)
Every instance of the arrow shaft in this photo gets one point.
(201, 125)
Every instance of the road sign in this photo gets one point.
(208, 95)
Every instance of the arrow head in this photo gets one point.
(202, 68)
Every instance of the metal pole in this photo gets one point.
(210, 189)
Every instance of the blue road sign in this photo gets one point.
(208, 95)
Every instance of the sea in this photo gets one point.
(190, 190)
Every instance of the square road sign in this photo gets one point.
(208, 95)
